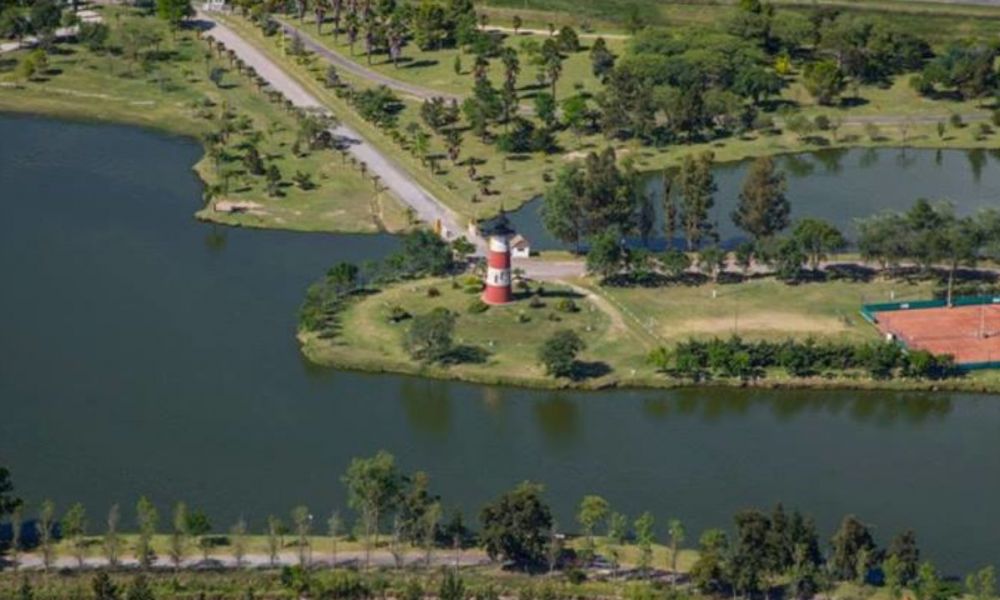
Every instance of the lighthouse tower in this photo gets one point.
(499, 233)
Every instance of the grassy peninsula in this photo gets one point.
(171, 81)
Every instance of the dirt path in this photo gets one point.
(427, 208)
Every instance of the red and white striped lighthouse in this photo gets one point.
(499, 233)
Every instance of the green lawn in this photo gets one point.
(175, 95)
(511, 334)
(761, 309)
(435, 69)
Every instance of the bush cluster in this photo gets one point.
(735, 357)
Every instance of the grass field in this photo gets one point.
(175, 95)
(435, 68)
(764, 309)
(939, 22)
(511, 334)
(621, 326)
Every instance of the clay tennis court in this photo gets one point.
(969, 333)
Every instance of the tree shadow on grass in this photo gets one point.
(417, 64)
(466, 354)
(583, 370)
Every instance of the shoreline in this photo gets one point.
(329, 357)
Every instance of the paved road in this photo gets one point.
(379, 558)
(428, 208)
(345, 63)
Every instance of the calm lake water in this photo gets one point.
(837, 185)
(142, 352)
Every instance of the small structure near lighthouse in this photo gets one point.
(499, 233)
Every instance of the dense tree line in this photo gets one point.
(423, 254)
(930, 235)
(745, 360)
(761, 553)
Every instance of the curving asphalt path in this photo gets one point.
(342, 62)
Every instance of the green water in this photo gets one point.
(142, 352)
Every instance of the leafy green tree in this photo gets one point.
(892, 571)
(425, 253)
(763, 208)
(710, 571)
(558, 353)
(712, 261)
(617, 536)
(552, 63)
(373, 486)
(677, 536)
(275, 538)
(273, 176)
(644, 539)
(199, 527)
(606, 254)
(74, 529)
(44, 526)
(928, 583)
(545, 109)
(147, 518)
(174, 12)
(824, 81)
(179, 535)
(45, 17)
(562, 206)
(8, 501)
(697, 188)
(517, 525)
(982, 585)
(430, 336)
(904, 548)
(602, 61)
(749, 560)
(817, 239)
(593, 511)
(302, 520)
(238, 541)
(851, 539)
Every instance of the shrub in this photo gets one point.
(477, 306)
(536, 302)
(956, 120)
(433, 292)
(558, 353)
(822, 122)
(523, 317)
(397, 313)
(567, 305)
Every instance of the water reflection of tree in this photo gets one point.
(558, 417)
(427, 405)
(798, 165)
(877, 408)
(905, 159)
(215, 240)
(831, 159)
(977, 160)
(869, 158)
